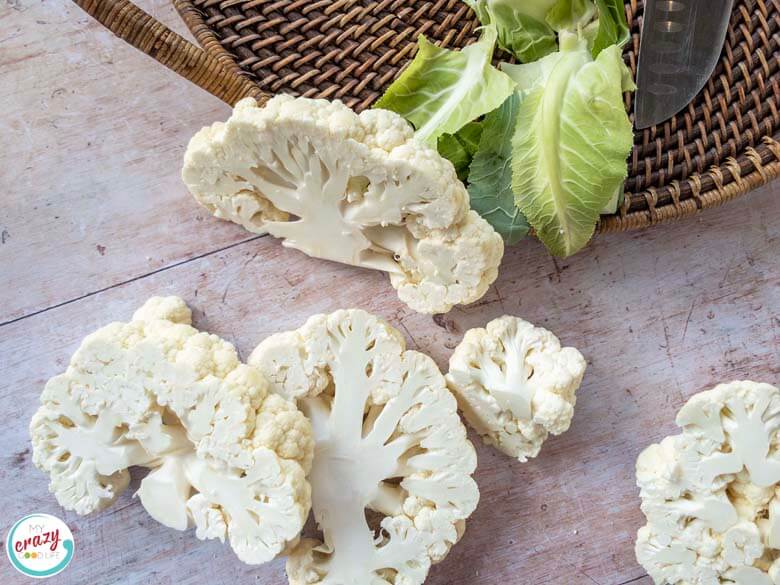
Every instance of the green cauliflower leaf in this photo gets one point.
(490, 175)
(441, 90)
(571, 142)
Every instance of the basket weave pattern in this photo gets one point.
(724, 144)
(335, 49)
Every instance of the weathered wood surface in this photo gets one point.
(660, 315)
(93, 133)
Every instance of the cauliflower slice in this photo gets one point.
(515, 384)
(224, 453)
(389, 444)
(711, 494)
(356, 189)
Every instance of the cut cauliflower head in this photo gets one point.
(515, 384)
(711, 494)
(356, 189)
(389, 446)
(225, 454)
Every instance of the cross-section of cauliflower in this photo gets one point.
(711, 494)
(356, 189)
(224, 453)
(515, 384)
(389, 446)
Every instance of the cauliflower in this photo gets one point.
(224, 453)
(515, 384)
(391, 478)
(356, 189)
(710, 494)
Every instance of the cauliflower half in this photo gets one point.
(356, 189)
(226, 455)
(711, 494)
(391, 479)
(515, 384)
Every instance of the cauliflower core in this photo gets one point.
(389, 445)
(226, 455)
(515, 384)
(352, 188)
(712, 493)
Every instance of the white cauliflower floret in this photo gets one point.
(356, 189)
(388, 441)
(515, 384)
(710, 494)
(225, 454)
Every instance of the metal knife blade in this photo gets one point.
(680, 46)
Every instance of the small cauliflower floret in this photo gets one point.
(710, 494)
(224, 453)
(389, 446)
(356, 189)
(515, 384)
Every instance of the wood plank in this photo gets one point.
(93, 136)
(660, 315)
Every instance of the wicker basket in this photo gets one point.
(722, 146)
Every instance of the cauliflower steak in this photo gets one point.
(356, 189)
(711, 494)
(225, 454)
(389, 445)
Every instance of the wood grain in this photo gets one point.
(660, 315)
(93, 134)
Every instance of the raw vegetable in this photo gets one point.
(569, 15)
(553, 153)
(515, 384)
(612, 26)
(226, 456)
(357, 189)
(521, 25)
(389, 445)
(490, 174)
(459, 148)
(571, 142)
(710, 493)
(441, 91)
(527, 28)
(601, 22)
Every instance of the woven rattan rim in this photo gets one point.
(725, 144)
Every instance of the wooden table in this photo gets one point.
(95, 219)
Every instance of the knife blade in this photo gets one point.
(680, 45)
